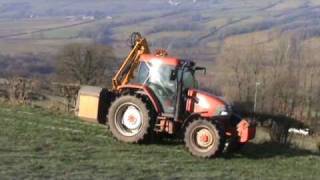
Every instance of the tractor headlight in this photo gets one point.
(224, 113)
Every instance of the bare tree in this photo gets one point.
(88, 64)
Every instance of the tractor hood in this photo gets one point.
(208, 105)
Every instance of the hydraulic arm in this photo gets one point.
(139, 46)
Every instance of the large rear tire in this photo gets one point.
(204, 138)
(129, 119)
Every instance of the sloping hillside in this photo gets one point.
(36, 144)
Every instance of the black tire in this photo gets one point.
(119, 130)
(193, 144)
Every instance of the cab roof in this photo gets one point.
(154, 58)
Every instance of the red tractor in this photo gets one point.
(155, 95)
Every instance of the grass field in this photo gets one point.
(36, 144)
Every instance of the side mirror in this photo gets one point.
(173, 75)
(201, 69)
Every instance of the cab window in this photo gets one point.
(142, 74)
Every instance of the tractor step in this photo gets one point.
(164, 124)
(167, 115)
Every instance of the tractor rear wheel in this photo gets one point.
(204, 138)
(129, 119)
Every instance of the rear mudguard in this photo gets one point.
(155, 102)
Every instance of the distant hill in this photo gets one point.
(187, 28)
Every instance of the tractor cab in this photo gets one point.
(161, 75)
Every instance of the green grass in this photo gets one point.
(36, 144)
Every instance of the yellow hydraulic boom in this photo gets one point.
(125, 73)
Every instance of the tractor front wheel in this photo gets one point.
(129, 119)
(204, 138)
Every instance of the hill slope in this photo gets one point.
(37, 144)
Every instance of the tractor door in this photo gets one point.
(156, 76)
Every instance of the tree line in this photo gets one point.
(29, 78)
(282, 79)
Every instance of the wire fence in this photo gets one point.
(53, 95)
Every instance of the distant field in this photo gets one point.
(40, 35)
(14, 47)
(189, 30)
(36, 144)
